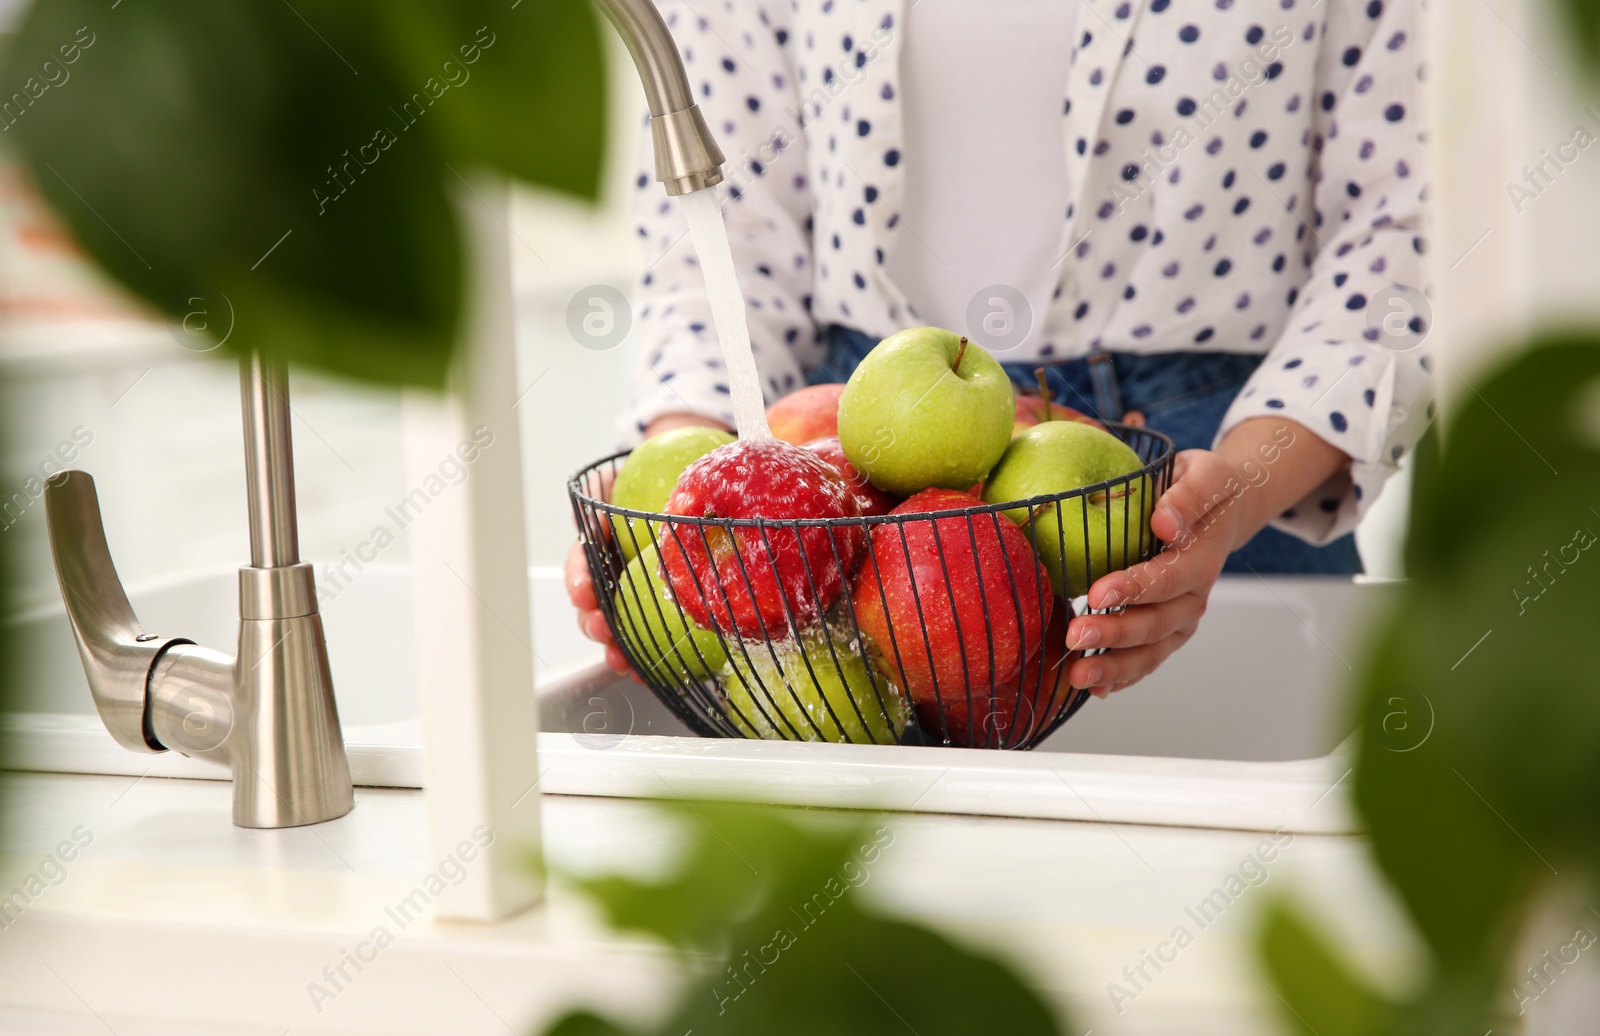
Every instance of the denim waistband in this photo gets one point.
(1105, 385)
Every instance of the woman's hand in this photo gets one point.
(1166, 595)
(1216, 503)
(580, 590)
(580, 587)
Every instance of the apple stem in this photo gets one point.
(961, 350)
(1103, 498)
(1044, 394)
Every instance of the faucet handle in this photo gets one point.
(116, 651)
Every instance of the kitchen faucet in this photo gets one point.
(687, 158)
(267, 712)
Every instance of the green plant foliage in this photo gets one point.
(531, 103)
(585, 1024)
(772, 906)
(290, 169)
(1584, 18)
(1500, 628)
(1309, 976)
(1480, 730)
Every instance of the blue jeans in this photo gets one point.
(1182, 394)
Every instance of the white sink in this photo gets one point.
(1241, 729)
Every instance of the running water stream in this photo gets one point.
(710, 239)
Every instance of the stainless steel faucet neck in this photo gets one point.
(687, 156)
(268, 462)
(650, 44)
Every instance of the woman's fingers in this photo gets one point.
(1162, 578)
(575, 574)
(1163, 598)
(1197, 542)
(616, 660)
(1177, 570)
(580, 590)
(594, 626)
(1118, 669)
(1146, 624)
(1199, 483)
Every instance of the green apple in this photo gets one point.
(800, 690)
(650, 472)
(652, 626)
(1058, 456)
(926, 408)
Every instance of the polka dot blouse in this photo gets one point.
(1247, 175)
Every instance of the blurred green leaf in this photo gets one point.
(524, 86)
(1479, 755)
(1458, 869)
(585, 1024)
(214, 152)
(1499, 628)
(1322, 996)
(289, 170)
(774, 904)
(852, 974)
(1583, 16)
(1515, 431)
(740, 858)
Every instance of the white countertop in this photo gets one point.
(173, 921)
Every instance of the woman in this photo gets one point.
(1203, 214)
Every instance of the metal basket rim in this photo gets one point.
(1148, 469)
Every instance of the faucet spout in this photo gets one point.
(687, 156)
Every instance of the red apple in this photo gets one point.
(811, 413)
(869, 498)
(1021, 708)
(759, 582)
(955, 608)
(1031, 410)
(1044, 690)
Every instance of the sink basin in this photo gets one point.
(1242, 728)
